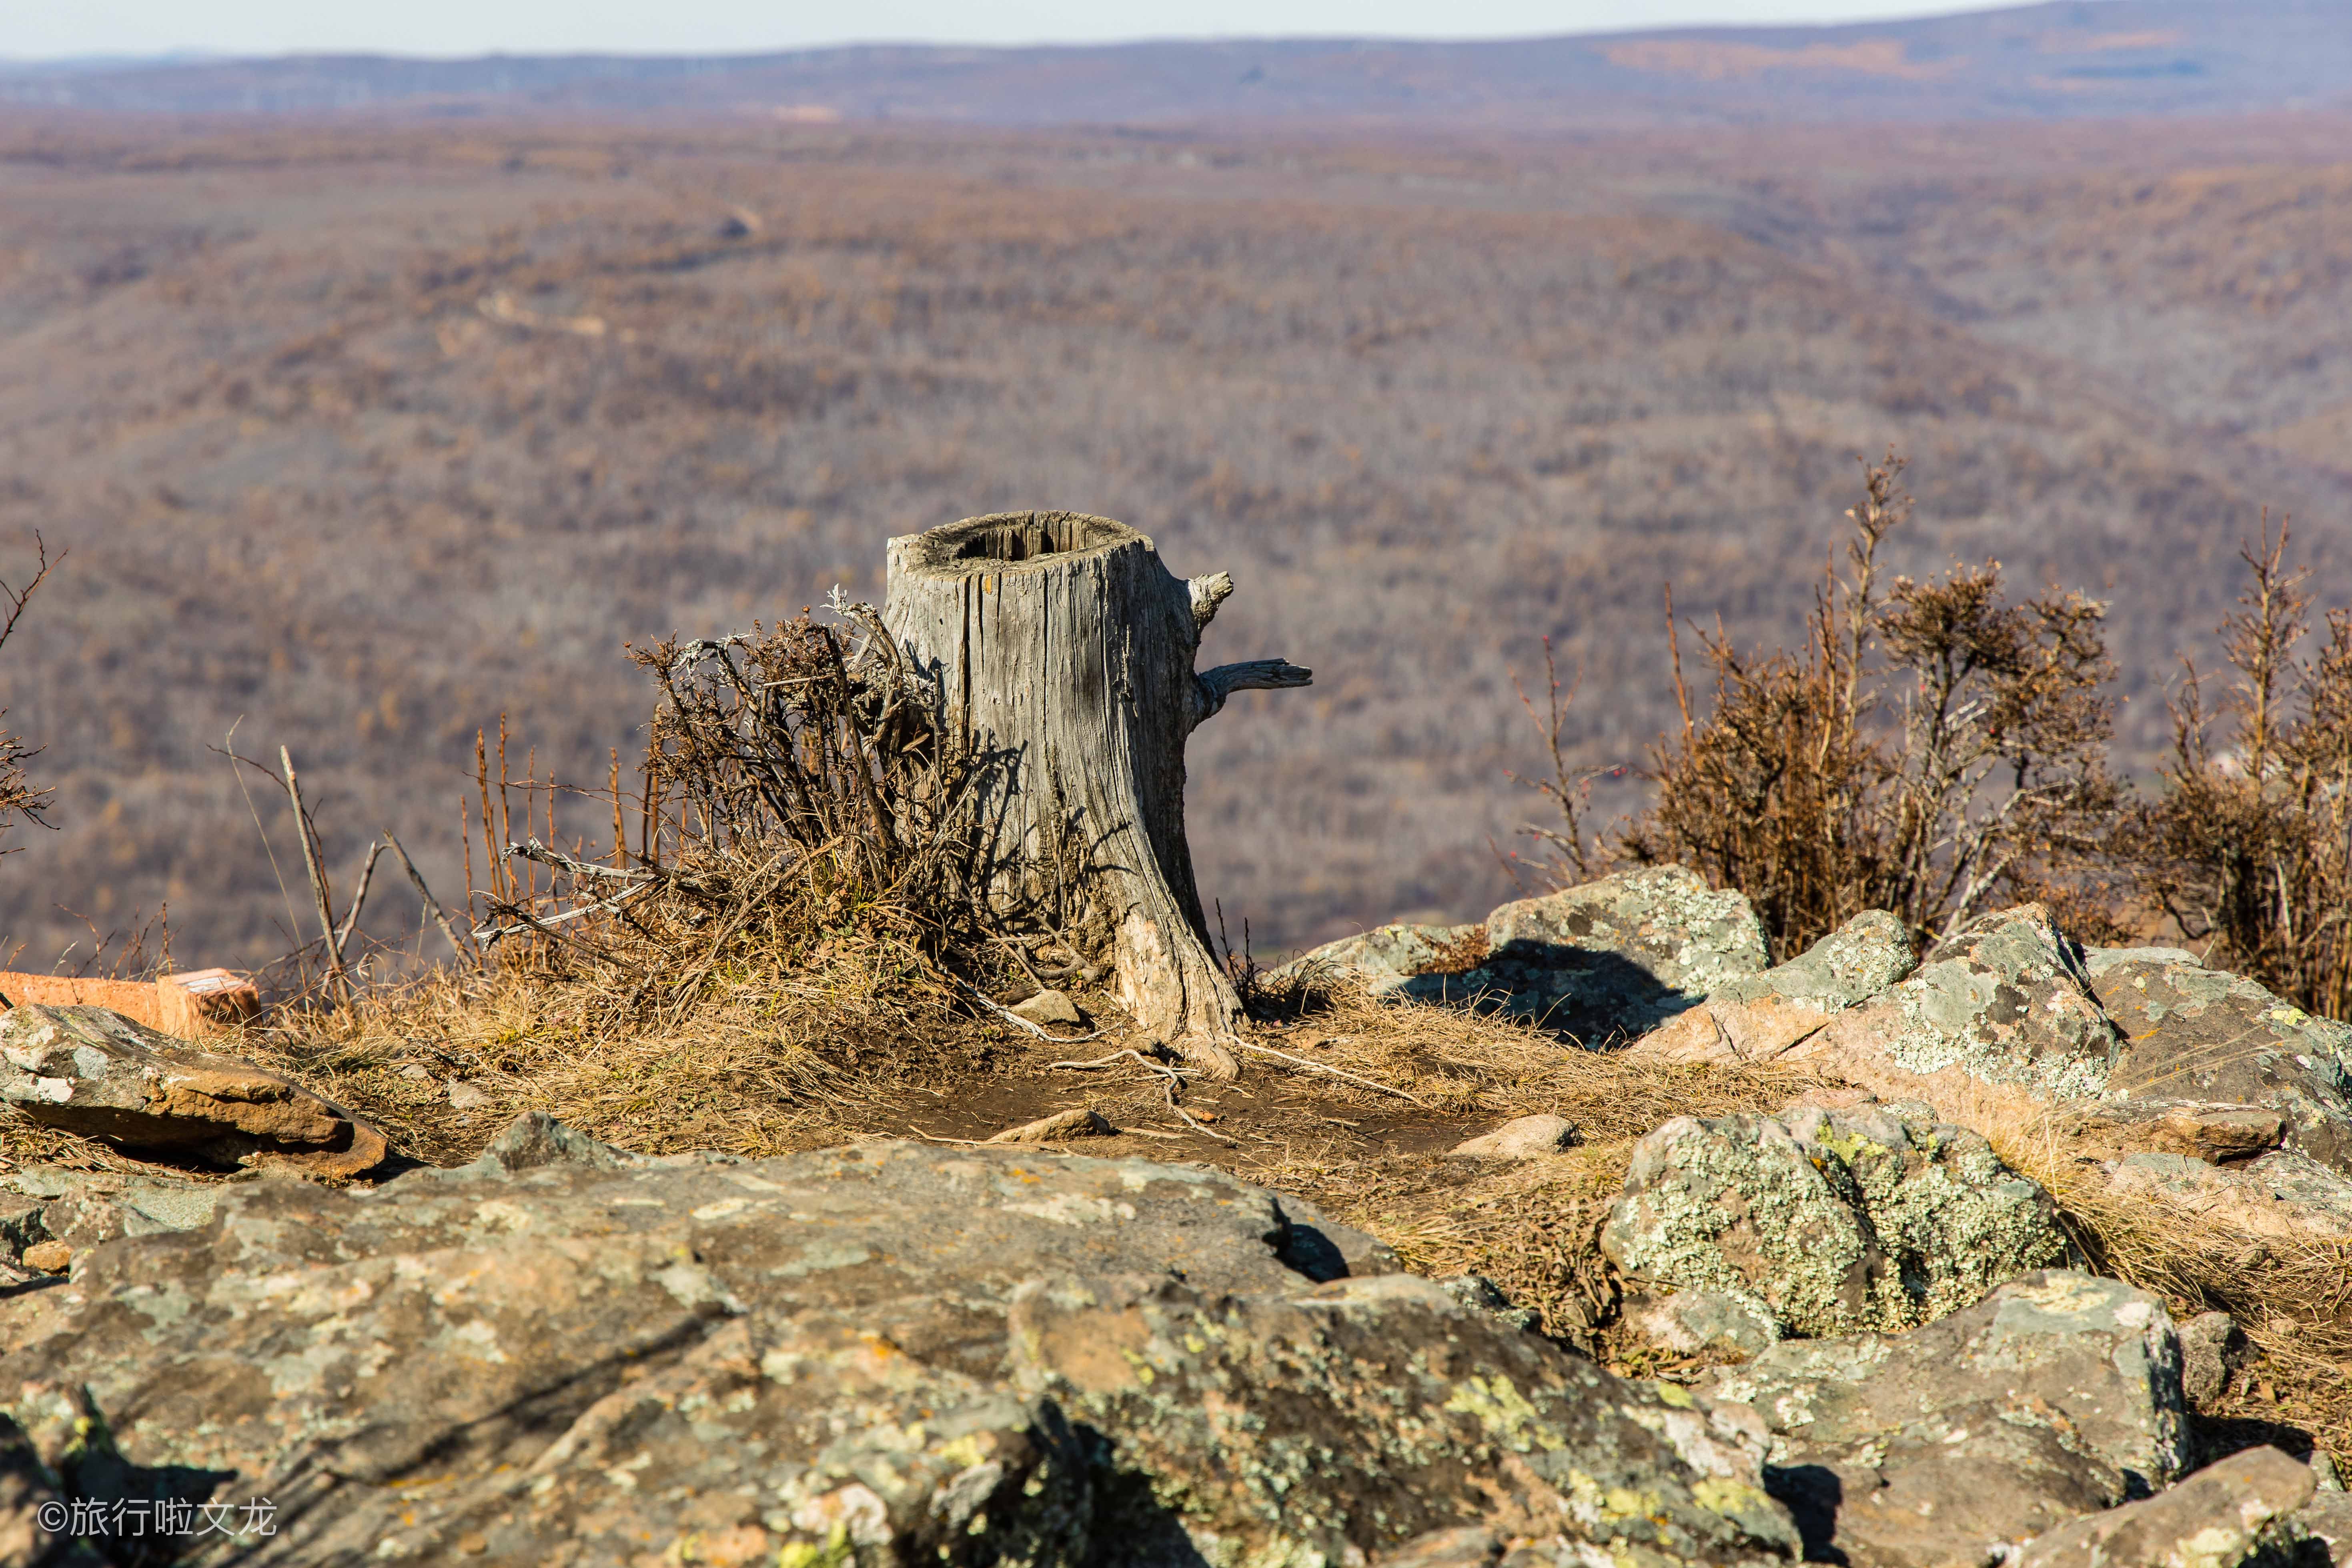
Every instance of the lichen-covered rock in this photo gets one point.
(95, 1072)
(2285, 1193)
(1829, 1221)
(1599, 962)
(565, 1353)
(1612, 958)
(2006, 999)
(1758, 1017)
(2056, 1397)
(78, 1209)
(1247, 1418)
(2238, 1512)
(2192, 1033)
(1702, 1323)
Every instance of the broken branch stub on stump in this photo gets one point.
(1061, 650)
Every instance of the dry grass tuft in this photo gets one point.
(786, 1046)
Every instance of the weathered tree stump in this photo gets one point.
(1058, 646)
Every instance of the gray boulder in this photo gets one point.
(1829, 1221)
(885, 1355)
(1602, 962)
(2200, 1033)
(2006, 999)
(2239, 1511)
(2200, 1061)
(1229, 1410)
(1758, 1017)
(2056, 1397)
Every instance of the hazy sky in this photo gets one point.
(42, 28)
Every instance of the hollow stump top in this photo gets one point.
(1007, 540)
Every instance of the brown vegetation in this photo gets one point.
(1931, 750)
(1431, 402)
(2248, 853)
(20, 798)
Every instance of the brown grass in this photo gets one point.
(2291, 1293)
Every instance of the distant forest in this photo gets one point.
(359, 437)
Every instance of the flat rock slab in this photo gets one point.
(2056, 1397)
(1522, 1138)
(91, 1071)
(890, 1352)
(2284, 1192)
(2192, 1033)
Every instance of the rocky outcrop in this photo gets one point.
(886, 1353)
(95, 1072)
(2184, 1059)
(2056, 1397)
(2192, 1033)
(2236, 1512)
(1829, 1221)
(2006, 999)
(1759, 1017)
(49, 1215)
(1599, 962)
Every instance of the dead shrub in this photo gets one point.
(1930, 748)
(806, 903)
(19, 797)
(2248, 849)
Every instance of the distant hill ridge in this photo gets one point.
(2053, 61)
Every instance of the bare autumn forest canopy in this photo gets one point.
(362, 438)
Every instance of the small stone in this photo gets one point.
(1082, 1123)
(1703, 1322)
(1481, 1294)
(417, 1072)
(48, 1256)
(1048, 1006)
(1528, 1138)
(465, 1095)
(2210, 1348)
